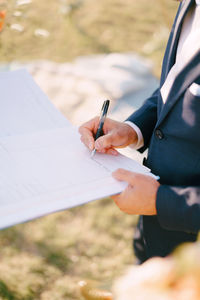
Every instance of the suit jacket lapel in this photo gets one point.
(176, 30)
(184, 79)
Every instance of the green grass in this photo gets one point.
(44, 259)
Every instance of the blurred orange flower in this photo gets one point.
(2, 18)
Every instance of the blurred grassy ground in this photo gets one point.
(44, 259)
(88, 27)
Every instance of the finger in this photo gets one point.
(87, 138)
(105, 141)
(124, 175)
(89, 143)
(91, 125)
(112, 152)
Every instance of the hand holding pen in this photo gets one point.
(111, 134)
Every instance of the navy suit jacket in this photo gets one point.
(171, 132)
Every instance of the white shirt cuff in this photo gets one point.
(140, 142)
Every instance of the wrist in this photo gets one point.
(137, 140)
(132, 135)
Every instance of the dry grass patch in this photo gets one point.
(45, 258)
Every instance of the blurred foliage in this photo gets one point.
(82, 27)
(45, 259)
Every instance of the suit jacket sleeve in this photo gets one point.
(145, 118)
(178, 208)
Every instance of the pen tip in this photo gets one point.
(92, 153)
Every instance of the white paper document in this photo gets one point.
(52, 170)
(43, 165)
(24, 108)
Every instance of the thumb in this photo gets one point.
(105, 141)
(124, 175)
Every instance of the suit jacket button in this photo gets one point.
(159, 134)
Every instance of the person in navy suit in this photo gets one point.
(168, 125)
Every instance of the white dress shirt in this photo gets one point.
(189, 44)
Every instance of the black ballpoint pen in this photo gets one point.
(104, 111)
